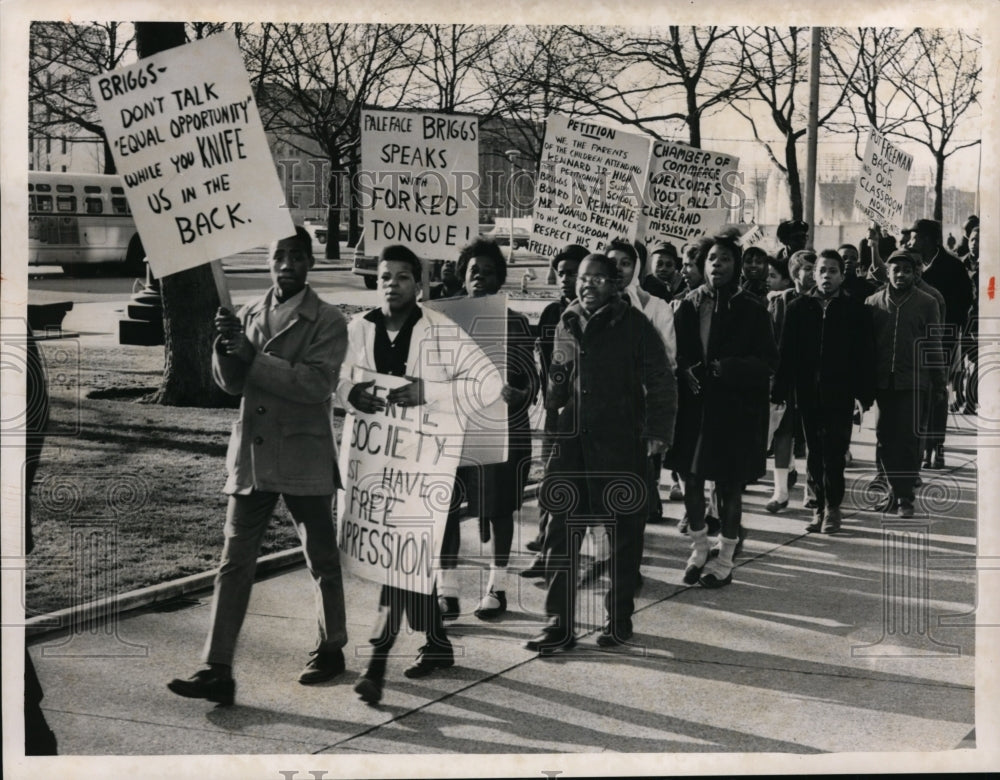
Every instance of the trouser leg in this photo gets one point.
(626, 552)
(247, 517)
(562, 553)
(313, 516)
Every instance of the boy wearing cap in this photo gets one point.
(905, 321)
(564, 266)
(666, 268)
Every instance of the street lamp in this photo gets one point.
(512, 155)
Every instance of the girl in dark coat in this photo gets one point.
(494, 491)
(725, 357)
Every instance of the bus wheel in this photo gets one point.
(371, 282)
(135, 257)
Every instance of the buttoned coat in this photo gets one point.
(721, 431)
(612, 383)
(283, 441)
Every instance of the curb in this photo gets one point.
(86, 614)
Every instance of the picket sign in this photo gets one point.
(187, 138)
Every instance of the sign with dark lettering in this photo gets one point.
(398, 467)
(419, 181)
(881, 190)
(590, 185)
(689, 193)
(188, 142)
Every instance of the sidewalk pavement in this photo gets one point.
(855, 642)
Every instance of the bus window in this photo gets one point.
(119, 206)
(94, 206)
(64, 188)
(45, 203)
(117, 190)
(43, 187)
(66, 204)
(91, 189)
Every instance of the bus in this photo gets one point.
(82, 222)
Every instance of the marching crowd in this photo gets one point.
(695, 366)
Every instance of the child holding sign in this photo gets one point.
(401, 338)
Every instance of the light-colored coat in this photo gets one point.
(457, 374)
(283, 441)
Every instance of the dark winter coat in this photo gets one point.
(612, 384)
(827, 354)
(947, 273)
(721, 431)
(496, 489)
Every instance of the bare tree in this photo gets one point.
(189, 297)
(861, 60)
(673, 75)
(940, 75)
(313, 80)
(63, 58)
(777, 64)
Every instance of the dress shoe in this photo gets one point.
(614, 635)
(449, 607)
(206, 684)
(676, 493)
(429, 659)
(492, 605)
(369, 689)
(536, 569)
(817, 522)
(905, 508)
(831, 520)
(810, 503)
(712, 579)
(323, 666)
(549, 642)
(774, 505)
(535, 545)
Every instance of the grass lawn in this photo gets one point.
(128, 494)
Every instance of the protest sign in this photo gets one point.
(188, 142)
(881, 190)
(399, 468)
(688, 194)
(590, 185)
(417, 181)
(485, 320)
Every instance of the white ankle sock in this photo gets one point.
(699, 547)
(780, 485)
(498, 579)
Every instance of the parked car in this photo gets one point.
(316, 229)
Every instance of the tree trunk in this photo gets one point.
(693, 120)
(939, 161)
(353, 206)
(109, 158)
(333, 212)
(189, 297)
(794, 182)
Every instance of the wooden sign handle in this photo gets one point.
(220, 285)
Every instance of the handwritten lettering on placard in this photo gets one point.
(418, 181)
(590, 185)
(187, 139)
(399, 468)
(881, 191)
